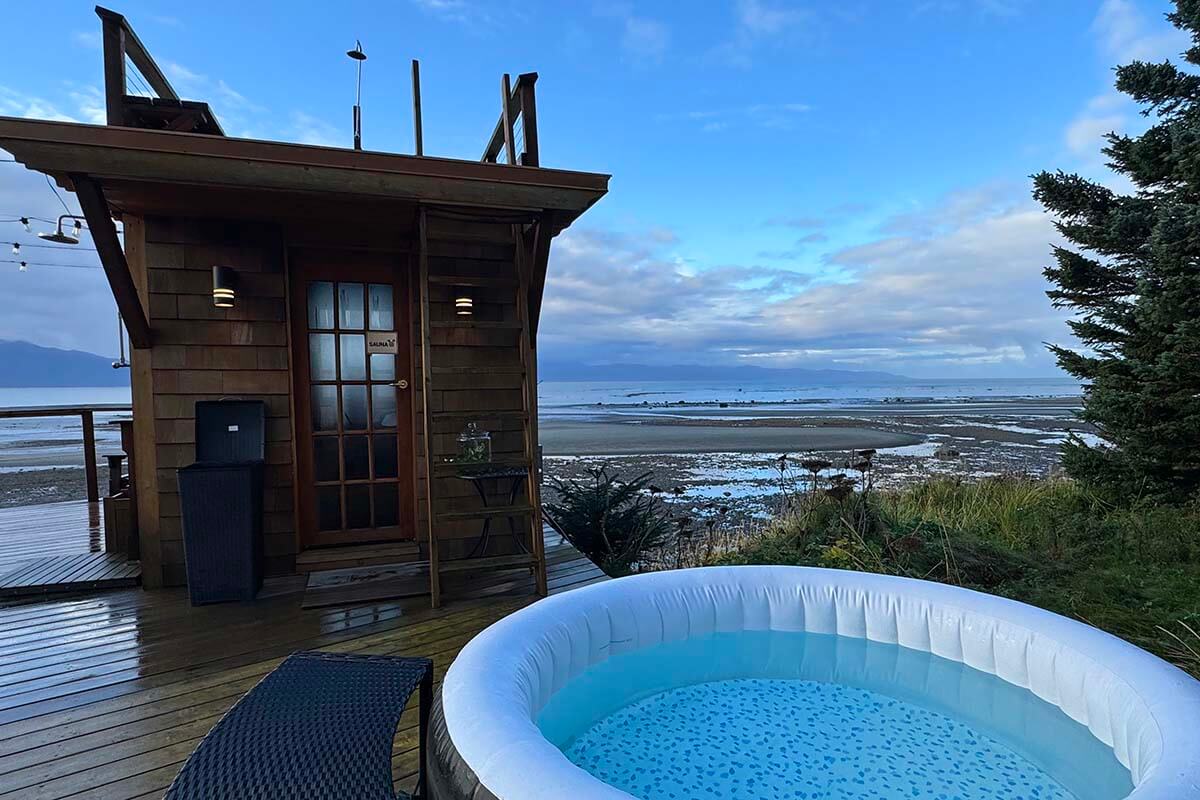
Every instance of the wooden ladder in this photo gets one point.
(436, 465)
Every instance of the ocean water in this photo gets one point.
(762, 715)
(54, 442)
(579, 399)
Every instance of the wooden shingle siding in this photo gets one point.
(202, 352)
(477, 368)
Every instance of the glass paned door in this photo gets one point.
(355, 445)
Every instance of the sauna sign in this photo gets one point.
(381, 342)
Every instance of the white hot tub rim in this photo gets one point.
(1148, 711)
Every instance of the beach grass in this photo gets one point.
(1132, 571)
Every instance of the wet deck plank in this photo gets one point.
(104, 696)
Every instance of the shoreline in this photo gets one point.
(705, 449)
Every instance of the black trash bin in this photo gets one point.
(221, 499)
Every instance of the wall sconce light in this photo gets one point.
(224, 286)
(464, 306)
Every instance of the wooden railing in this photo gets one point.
(518, 119)
(86, 416)
(153, 103)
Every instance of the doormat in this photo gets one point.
(337, 587)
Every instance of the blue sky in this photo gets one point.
(794, 183)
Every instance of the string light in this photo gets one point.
(16, 249)
(25, 222)
(23, 268)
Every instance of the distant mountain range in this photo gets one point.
(23, 364)
(568, 371)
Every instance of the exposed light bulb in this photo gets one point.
(16, 249)
(23, 268)
(25, 222)
(77, 226)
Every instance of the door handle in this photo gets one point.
(401, 384)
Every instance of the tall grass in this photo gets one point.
(1133, 571)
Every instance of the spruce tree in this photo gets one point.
(1132, 278)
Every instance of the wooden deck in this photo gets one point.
(68, 574)
(49, 529)
(105, 696)
(58, 547)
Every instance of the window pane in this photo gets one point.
(385, 455)
(380, 307)
(324, 408)
(354, 357)
(387, 502)
(383, 367)
(383, 406)
(320, 305)
(355, 448)
(350, 306)
(358, 506)
(325, 458)
(329, 508)
(354, 408)
(322, 365)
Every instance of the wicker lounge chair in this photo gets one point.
(319, 727)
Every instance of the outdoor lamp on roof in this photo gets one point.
(224, 287)
(58, 236)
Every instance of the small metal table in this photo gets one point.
(477, 475)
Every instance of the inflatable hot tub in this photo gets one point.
(790, 681)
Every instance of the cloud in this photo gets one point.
(759, 22)
(617, 295)
(1103, 114)
(308, 129)
(943, 296)
(1123, 34)
(642, 38)
(1126, 35)
(90, 102)
(954, 210)
(761, 115)
(799, 249)
(995, 8)
(459, 12)
(89, 39)
(797, 222)
(19, 104)
(645, 38)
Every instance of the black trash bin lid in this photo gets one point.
(230, 430)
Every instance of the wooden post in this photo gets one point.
(89, 456)
(533, 493)
(435, 583)
(510, 147)
(113, 39)
(418, 136)
(529, 154)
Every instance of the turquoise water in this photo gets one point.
(758, 715)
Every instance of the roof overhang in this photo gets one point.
(170, 160)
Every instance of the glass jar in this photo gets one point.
(474, 445)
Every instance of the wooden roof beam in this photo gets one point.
(112, 258)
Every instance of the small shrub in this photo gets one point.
(612, 522)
